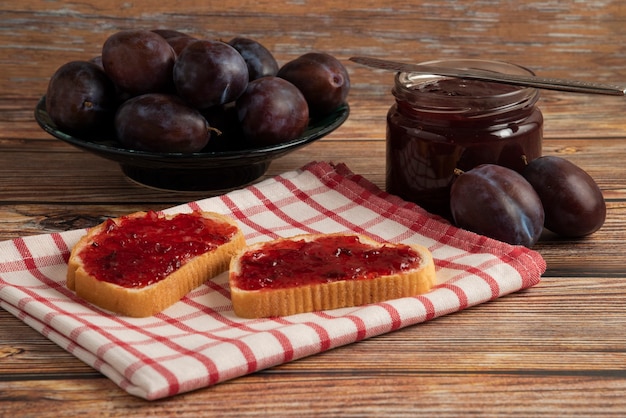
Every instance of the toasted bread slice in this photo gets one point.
(138, 265)
(316, 272)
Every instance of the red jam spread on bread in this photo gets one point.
(291, 263)
(136, 252)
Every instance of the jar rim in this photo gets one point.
(499, 99)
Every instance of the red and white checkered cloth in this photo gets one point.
(199, 342)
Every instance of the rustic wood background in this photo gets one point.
(559, 349)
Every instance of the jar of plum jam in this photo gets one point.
(440, 124)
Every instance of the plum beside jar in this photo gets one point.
(439, 124)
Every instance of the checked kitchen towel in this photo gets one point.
(199, 342)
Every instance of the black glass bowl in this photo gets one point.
(214, 171)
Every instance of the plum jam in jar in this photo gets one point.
(440, 124)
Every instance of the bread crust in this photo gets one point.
(149, 300)
(317, 297)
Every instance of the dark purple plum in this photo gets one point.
(227, 134)
(322, 79)
(260, 61)
(272, 111)
(139, 61)
(170, 33)
(180, 43)
(210, 73)
(81, 97)
(121, 95)
(161, 123)
(572, 201)
(497, 202)
(177, 40)
(98, 61)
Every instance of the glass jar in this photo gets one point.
(440, 124)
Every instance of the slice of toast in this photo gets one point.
(316, 272)
(138, 265)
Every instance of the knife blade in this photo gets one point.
(512, 79)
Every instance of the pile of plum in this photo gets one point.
(166, 91)
(550, 192)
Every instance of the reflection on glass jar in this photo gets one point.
(439, 124)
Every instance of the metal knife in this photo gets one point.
(477, 74)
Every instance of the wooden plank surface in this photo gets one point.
(558, 349)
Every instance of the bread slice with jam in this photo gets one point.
(315, 272)
(138, 265)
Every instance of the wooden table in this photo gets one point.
(556, 349)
